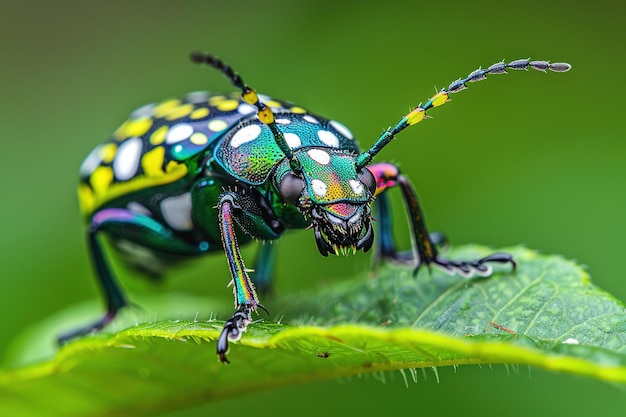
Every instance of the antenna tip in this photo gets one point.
(560, 67)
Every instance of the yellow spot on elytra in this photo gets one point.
(176, 171)
(296, 109)
(164, 108)
(100, 179)
(199, 113)
(132, 128)
(214, 101)
(217, 125)
(440, 98)
(172, 166)
(272, 103)
(179, 112)
(228, 105)
(138, 127)
(86, 199)
(158, 136)
(152, 162)
(107, 152)
(198, 139)
(120, 133)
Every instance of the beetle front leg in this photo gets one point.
(386, 246)
(246, 300)
(424, 249)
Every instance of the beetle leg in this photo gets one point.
(246, 300)
(386, 247)
(113, 294)
(137, 228)
(232, 330)
(424, 248)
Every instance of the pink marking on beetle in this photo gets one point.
(342, 210)
(385, 174)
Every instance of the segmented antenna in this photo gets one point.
(250, 96)
(443, 96)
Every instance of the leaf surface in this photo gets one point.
(547, 314)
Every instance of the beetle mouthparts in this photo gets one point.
(322, 243)
(345, 237)
(367, 239)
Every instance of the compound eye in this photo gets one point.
(291, 187)
(367, 178)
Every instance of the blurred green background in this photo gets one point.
(530, 159)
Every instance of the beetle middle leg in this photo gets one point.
(424, 248)
(134, 227)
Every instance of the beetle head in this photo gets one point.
(327, 188)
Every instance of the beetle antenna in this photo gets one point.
(443, 96)
(249, 95)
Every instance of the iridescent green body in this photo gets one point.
(154, 159)
(210, 172)
(166, 167)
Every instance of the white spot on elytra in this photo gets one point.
(245, 134)
(197, 97)
(293, 140)
(178, 132)
(328, 138)
(143, 111)
(177, 211)
(246, 108)
(91, 162)
(310, 119)
(283, 121)
(127, 158)
(341, 129)
(356, 186)
(571, 341)
(138, 208)
(319, 156)
(319, 187)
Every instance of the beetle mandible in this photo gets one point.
(210, 172)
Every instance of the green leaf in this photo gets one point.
(547, 314)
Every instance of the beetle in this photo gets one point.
(210, 172)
